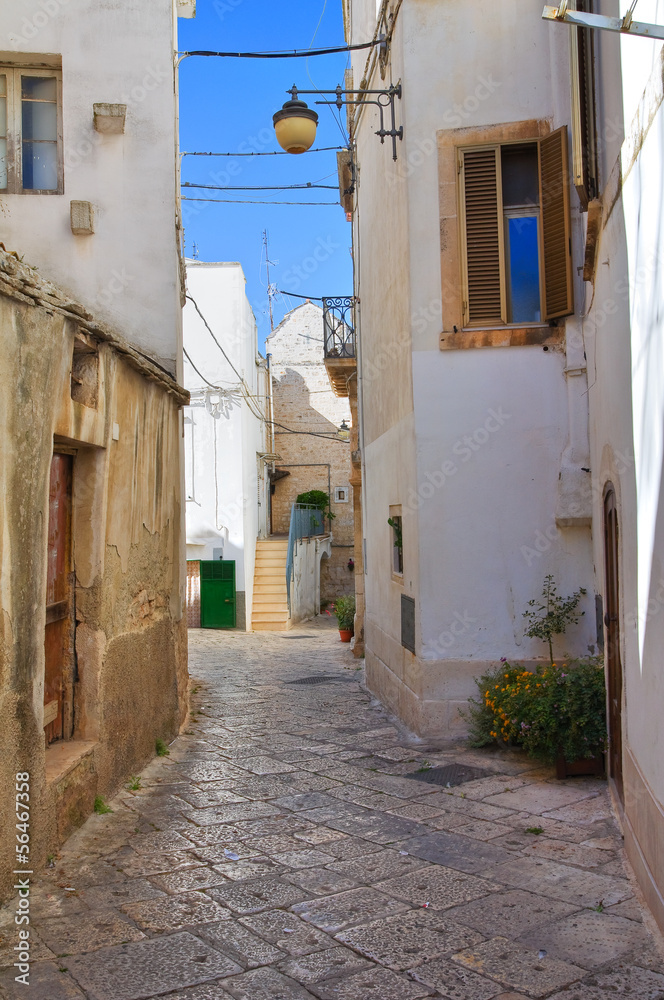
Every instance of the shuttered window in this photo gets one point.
(515, 230)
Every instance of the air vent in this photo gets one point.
(450, 775)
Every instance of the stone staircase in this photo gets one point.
(270, 610)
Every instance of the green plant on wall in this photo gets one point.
(551, 615)
(395, 524)
(318, 499)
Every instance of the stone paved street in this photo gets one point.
(294, 846)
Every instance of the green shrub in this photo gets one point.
(555, 710)
(344, 609)
(100, 806)
(319, 499)
(161, 749)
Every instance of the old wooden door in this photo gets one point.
(612, 622)
(58, 678)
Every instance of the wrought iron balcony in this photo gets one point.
(339, 330)
(339, 326)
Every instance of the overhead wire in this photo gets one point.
(265, 187)
(271, 152)
(244, 388)
(283, 53)
(253, 201)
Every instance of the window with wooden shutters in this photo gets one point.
(584, 129)
(515, 232)
(482, 218)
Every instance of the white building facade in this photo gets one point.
(472, 389)
(227, 434)
(511, 378)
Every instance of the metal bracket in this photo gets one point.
(623, 25)
(383, 99)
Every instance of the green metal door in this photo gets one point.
(217, 593)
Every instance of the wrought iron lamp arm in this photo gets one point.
(383, 99)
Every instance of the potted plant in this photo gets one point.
(344, 609)
(557, 714)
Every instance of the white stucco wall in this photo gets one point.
(224, 478)
(624, 335)
(119, 52)
(477, 547)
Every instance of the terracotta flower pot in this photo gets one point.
(345, 634)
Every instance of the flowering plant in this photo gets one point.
(555, 711)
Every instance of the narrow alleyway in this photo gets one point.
(295, 845)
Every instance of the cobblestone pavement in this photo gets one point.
(293, 846)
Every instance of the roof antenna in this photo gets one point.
(271, 289)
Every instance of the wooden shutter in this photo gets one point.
(556, 230)
(484, 298)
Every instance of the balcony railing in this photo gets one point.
(339, 326)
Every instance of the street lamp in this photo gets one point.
(295, 124)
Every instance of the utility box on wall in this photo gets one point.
(218, 600)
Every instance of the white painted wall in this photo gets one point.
(466, 542)
(624, 333)
(224, 477)
(126, 274)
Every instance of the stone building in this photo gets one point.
(305, 403)
(93, 661)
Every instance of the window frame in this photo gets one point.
(455, 335)
(13, 76)
(503, 214)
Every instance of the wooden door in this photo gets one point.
(58, 641)
(612, 623)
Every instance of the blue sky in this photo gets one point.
(226, 105)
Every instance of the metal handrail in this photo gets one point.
(306, 520)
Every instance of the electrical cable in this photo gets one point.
(244, 388)
(294, 295)
(283, 54)
(251, 201)
(269, 187)
(209, 330)
(272, 152)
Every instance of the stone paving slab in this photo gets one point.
(137, 971)
(518, 967)
(562, 882)
(409, 939)
(284, 852)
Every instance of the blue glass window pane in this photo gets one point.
(39, 88)
(523, 264)
(40, 121)
(40, 166)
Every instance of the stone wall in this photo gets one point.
(130, 680)
(305, 403)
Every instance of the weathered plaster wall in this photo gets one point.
(304, 401)
(126, 525)
(127, 273)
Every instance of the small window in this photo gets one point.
(517, 265)
(395, 523)
(341, 494)
(30, 131)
